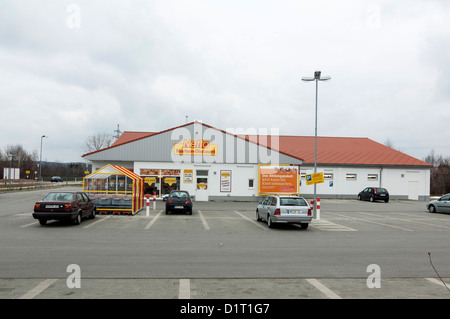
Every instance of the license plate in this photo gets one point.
(51, 206)
(382, 194)
(294, 211)
(180, 207)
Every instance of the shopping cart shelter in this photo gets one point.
(115, 189)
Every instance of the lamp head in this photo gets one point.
(317, 75)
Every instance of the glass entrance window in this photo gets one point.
(170, 183)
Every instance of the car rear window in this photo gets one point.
(59, 197)
(179, 194)
(288, 201)
(381, 190)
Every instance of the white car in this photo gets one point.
(284, 209)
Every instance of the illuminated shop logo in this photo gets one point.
(195, 147)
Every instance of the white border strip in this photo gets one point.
(184, 290)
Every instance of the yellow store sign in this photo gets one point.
(195, 147)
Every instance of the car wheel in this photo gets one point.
(189, 211)
(167, 211)
(359, 197)
(77, 220)
(372, 199)
(269, 222)
(42, 221)
(304, 226)
(94, 212)
(258, 218)
(386, 200)
(432, 209)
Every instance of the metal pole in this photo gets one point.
(315, 152)
(317, 77)
(9, 174)
(40, 164)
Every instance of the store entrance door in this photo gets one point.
(202, 192)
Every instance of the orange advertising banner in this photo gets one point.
(278, 179)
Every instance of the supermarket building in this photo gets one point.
(215, 164)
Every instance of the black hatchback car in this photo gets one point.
(179, 201)
(373, 194)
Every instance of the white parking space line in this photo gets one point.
(407, 220)
(437, 282)
(371, 221)
(252, 221)
(323, 289)
(329, 226)
(33, 223)
(97, 221)
(153, 220)
(30, 294)
(205, 224)
(184, 290)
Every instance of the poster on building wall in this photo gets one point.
(188, 176)
(225, 181)
(278, 179)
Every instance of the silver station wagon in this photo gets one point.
(284, 209)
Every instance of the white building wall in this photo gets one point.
(402, 183)
(240, 175)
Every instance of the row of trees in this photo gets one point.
(16, 156)
(440, 173)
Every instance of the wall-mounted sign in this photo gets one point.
(225, 181)
(188, 176)
(278, 179)
(195, 147)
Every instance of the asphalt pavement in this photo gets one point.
(356, 250)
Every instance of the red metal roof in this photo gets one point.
(129, 136)
(330, 150)
(345, 150)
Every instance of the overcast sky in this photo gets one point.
(70, 69)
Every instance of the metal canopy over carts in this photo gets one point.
(115, 189)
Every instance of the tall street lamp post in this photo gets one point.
(40, 162)
(317, 77)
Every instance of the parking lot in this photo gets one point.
(221, 251)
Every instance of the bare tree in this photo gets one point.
(17, 157)
(98, 141)
(388, 142)
(440, 173)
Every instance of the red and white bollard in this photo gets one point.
(154, 200)
(317, 207)
(147, 204)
